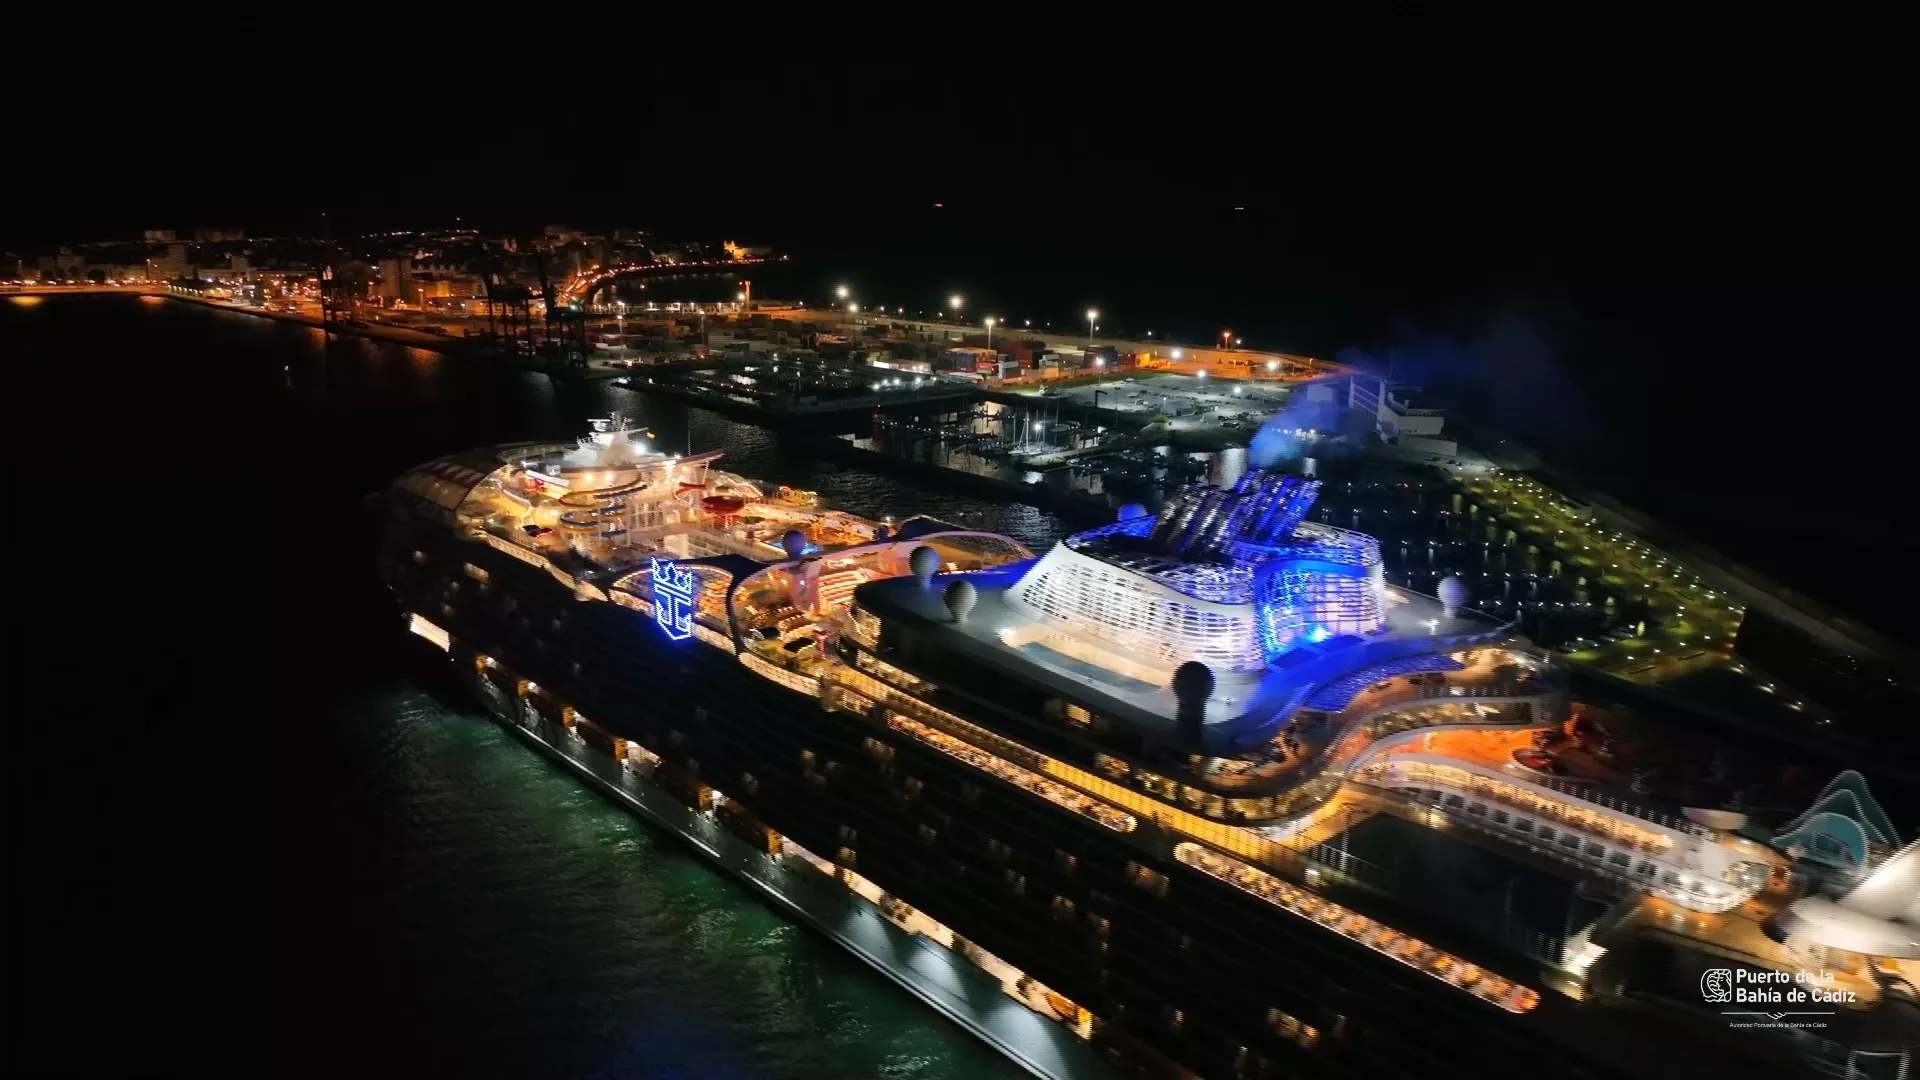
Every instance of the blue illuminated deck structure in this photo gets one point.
(1284, 612)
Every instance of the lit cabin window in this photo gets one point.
(1147, 878)
(1292, 1028)
(431, 632)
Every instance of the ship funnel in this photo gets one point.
(1192, 686)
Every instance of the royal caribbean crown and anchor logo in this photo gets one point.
(1773, 998)
(672, 599)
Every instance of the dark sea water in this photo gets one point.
(431, 898)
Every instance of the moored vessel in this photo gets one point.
(1196, 792)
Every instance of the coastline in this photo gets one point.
(395, 334)
(398, 335)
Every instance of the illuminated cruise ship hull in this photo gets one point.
(1063, 933)
(1193, 983)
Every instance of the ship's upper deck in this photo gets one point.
(1316, 673)
(612, 499)
(1005, 636)
(1227, 589)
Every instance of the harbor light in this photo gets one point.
(954, 302)
(842, 292)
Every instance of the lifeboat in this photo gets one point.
(722, 505)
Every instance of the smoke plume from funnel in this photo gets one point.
(1282, 437)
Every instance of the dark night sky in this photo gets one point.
(1397, 146)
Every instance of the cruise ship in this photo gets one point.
(1195, 793)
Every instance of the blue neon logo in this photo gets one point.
(672, 599)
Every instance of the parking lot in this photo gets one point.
(1187, 400)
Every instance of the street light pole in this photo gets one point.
(1092, 314)
(989, 333)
